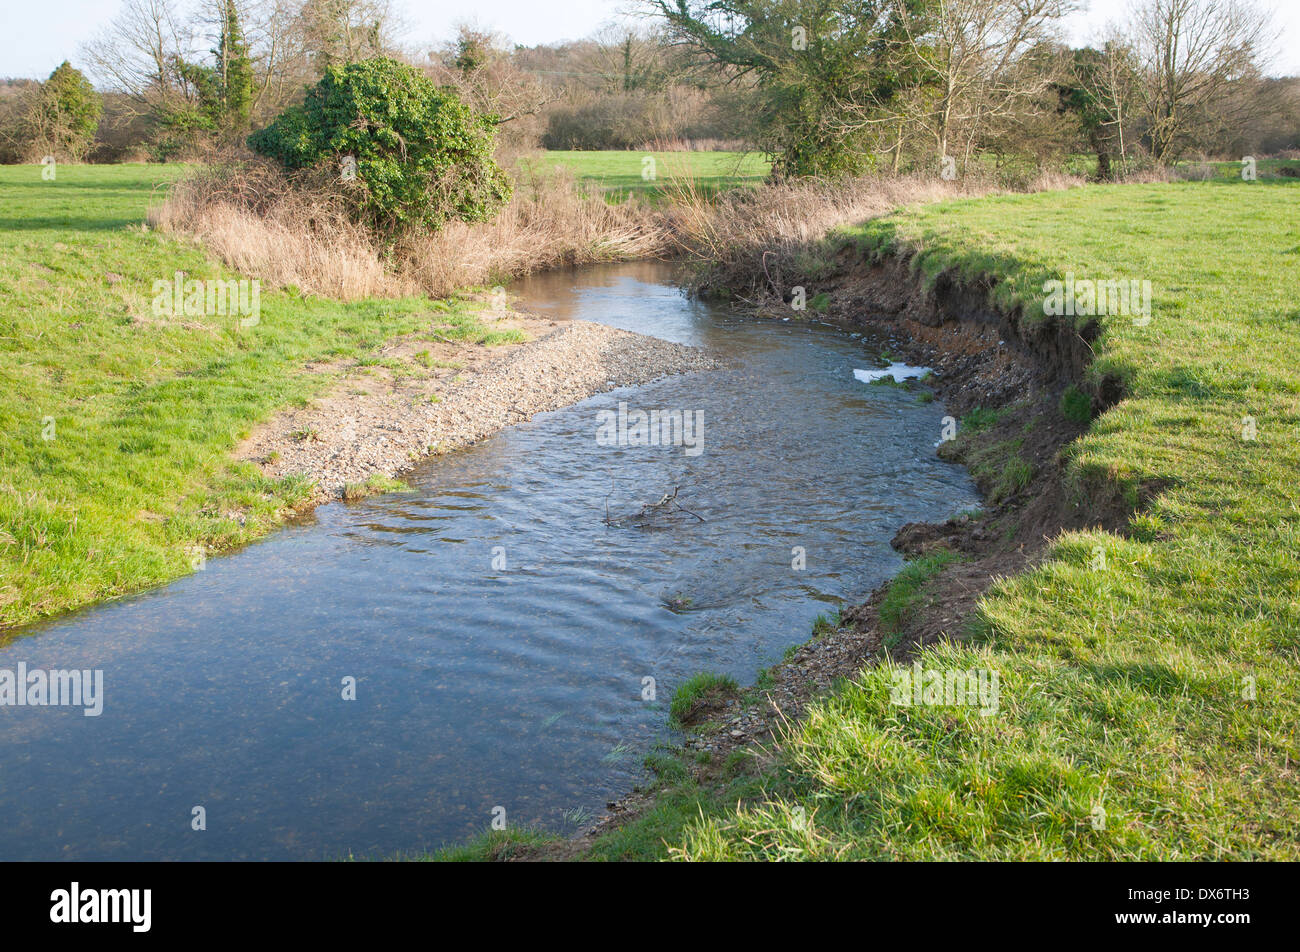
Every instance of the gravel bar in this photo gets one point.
(380, 424)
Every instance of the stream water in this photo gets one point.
(499, 631)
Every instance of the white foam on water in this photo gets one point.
(899, 372)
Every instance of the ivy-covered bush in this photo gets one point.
(422, 157)
(64, 116)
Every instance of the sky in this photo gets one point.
(39, 36)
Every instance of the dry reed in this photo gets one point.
(255, 220)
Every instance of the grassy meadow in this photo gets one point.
(620, 174)
(116, 425)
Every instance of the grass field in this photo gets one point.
(1150, 693)
(625, 173)
(116, 424)
(1231, 171)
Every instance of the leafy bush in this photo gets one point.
(423, 157)
(64, 114)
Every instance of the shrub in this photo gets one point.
(64, 114)
(423, 158)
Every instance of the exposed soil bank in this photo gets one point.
(428, 395)
(982, 359)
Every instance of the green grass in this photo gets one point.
(980, 418)
(1076, 406)
(1150, 697)
(619, 174)
(679, 799)
(825, 624)
(1231, 171)
(679, 802)
(116, 427)
(695, 689)
(492, 847)
(375, 484)
(906, 591)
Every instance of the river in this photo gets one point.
(499, 631)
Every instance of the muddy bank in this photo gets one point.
(983, 360)
(426, 394)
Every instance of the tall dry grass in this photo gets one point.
(736, 240)
(300, 234)
(550, 222)
(253, 219)
(743, 240)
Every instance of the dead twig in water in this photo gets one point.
(668, 503)
(679, 507)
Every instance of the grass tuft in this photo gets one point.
(697, 690)
(1076, 406)
(906, 591)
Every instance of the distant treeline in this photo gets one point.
(224, 68)
(822, 86)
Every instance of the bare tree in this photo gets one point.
(139, 51)
(1193, 55)
(479, 65)
(1114, 84)
(280, 55)
(344, 31)
(627, 60)
(969, 52)
(144, 50)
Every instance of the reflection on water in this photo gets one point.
(499, 631)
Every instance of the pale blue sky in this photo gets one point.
(37, 36)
